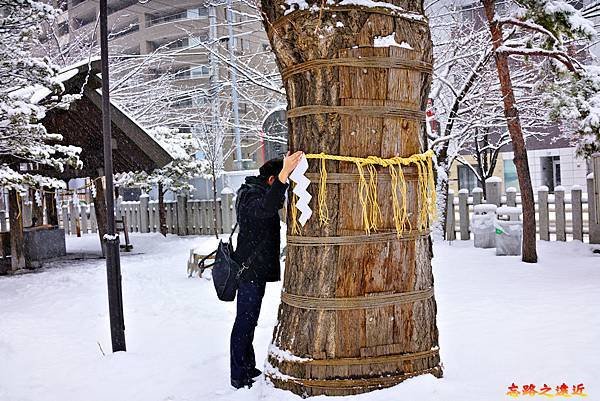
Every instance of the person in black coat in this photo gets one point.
(257, 207)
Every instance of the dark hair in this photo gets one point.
(272, 167)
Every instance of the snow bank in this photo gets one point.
(540, 320)
(485, 208)
(508, 210)
(284, 355)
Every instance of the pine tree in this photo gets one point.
(30, 85)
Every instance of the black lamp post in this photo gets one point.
(111, 240)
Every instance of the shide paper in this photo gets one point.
(300, 189)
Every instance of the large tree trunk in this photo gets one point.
(17, 241)
(50, 207)
(382, 93)
(101, 213)
(516, 134)
(162, 212)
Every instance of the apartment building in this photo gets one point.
(196, 58)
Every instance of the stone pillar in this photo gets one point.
(450, 218)
(544, 219)
(577, 212)
(511, 196)
(463, 212)
(594, 228)
(227, 209)
(181, 214)
(477, 196)
(559, 208)
(492, 190)
(144, 213)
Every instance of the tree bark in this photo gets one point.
(516, 134)
(17, 239)
(50, 207)
(343, 344)
(162, 213)
(100, 209)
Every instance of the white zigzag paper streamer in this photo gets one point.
(302, 183)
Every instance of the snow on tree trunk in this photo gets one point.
(334, 351)
(518, 143)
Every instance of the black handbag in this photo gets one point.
(226, 272)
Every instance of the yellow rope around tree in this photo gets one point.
(367, 190)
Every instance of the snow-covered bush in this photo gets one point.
(175, 176)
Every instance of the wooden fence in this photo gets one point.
(184, 216)
(559, 216)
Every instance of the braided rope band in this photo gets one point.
(301, 240)
(414, 17)
(371, 382)
(353, 178)
(369, 111)
(370, 360)
(364, 62)
(360, 302)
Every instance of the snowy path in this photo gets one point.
(500, 322)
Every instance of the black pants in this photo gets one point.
(249, 300)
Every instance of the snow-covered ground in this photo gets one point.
(500, 321)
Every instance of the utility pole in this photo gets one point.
(234, 92)
(213, 89)
(113, 265)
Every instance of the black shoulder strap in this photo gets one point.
(233, 231)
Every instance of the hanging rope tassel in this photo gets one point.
(323, 211)
(294, 215)
(367, 191)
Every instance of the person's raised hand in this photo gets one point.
(290, 161)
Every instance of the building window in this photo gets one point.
(466, 178)
(199, 72)
(182, 103)
(194, 13)
(510, 175)
(551, 174)
(182, 74)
